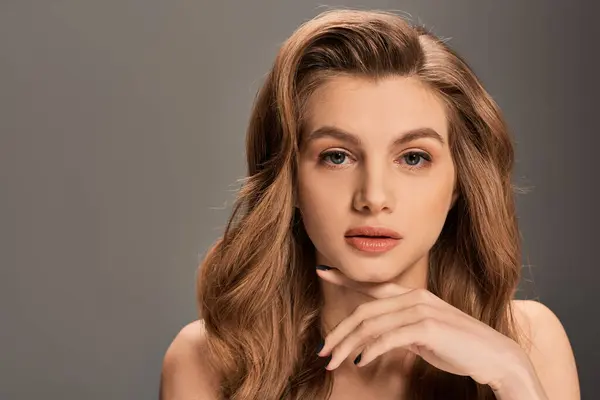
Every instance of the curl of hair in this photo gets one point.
(257, 290)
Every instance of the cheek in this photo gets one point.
(439, 200)
(429, 207)
(323, 204)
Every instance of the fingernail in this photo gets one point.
(320, 346)
(357, 359)
(323, 267)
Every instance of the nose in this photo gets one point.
(374, 192)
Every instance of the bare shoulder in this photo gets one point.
(186, 373)
(540, 325)
(549, 349)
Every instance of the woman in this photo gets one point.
(374, 250)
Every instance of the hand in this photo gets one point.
(417, 320)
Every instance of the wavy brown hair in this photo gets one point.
(257, 288)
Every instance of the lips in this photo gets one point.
(372, 239)
(373, 232)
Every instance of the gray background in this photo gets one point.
(122, 129)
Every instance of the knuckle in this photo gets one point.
(360, 310)
(364, 326)
(387, 342)
(429, 325)
(424, 295)
(382, 343)
(423, 310)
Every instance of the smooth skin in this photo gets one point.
(441, 334)
(362, 164)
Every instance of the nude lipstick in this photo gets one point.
(371, 239)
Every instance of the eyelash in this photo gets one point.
(323, 157)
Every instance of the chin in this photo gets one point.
(372, 271)
(377, 276)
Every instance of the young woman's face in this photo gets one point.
(375, 155)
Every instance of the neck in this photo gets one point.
(340, 302)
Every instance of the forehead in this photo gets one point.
(376, 108)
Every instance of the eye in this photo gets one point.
(335, 157)
(416, 159)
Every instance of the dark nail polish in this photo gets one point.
(357, 359)
(320, 347)
(323, 267)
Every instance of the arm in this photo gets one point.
(186, 375)
(447, 338)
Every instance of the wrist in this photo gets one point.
(519, 383)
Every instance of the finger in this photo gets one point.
(426, 333)
(374, 290)
(370, 329)
(365, 312)
(387, 290)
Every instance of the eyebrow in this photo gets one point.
(405, 137)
